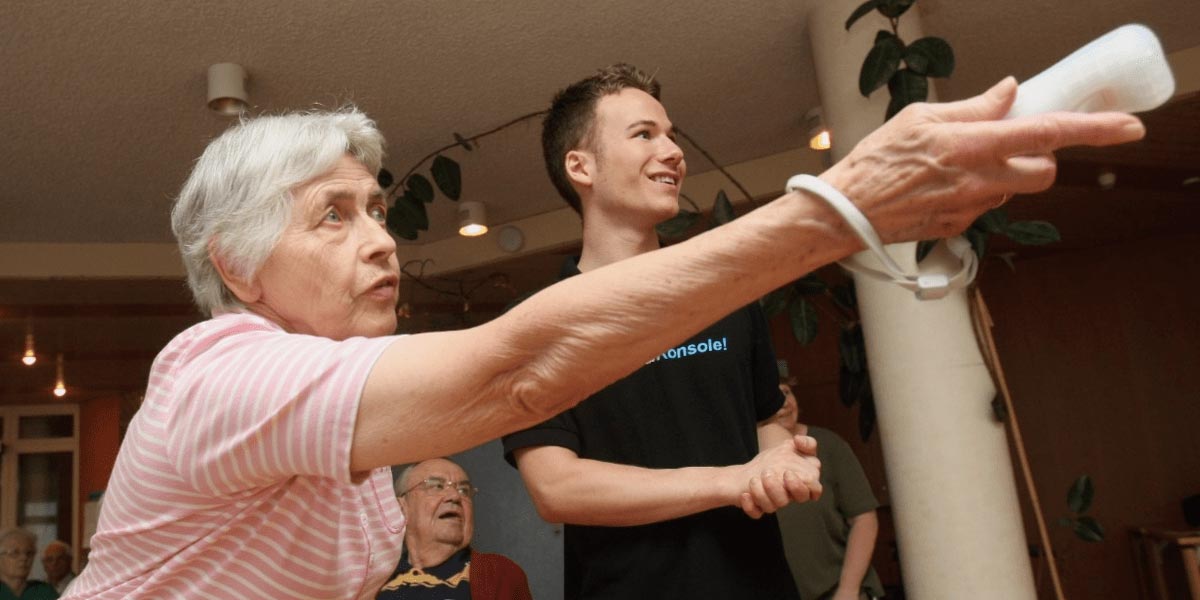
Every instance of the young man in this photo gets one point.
(648, 473)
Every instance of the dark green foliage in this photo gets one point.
(1079, 500)
(881, 63)
(385, 179)
(722, 209)
(447, 175)
(1079, 497)
(903, 67)
(905, 87)
(675, 227)
(419, 188)
(930, 56)
(804, 320)
(407, 217)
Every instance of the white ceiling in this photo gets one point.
(102, 103)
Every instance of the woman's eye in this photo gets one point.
(645, 135)
(332, 217)
(378, 213)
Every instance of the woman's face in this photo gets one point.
(334, 271)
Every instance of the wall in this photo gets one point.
(1100, 349)
(99, 441)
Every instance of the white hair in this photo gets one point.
(238, 199)
(20, 533)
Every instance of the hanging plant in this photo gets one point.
(905, 68)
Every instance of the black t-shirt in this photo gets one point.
(697, 404)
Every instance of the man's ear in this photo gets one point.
(581, 167)
(245, 288)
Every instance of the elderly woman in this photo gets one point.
(256, 466)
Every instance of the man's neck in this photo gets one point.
(425, 556)
(606, 241)
(16, 585)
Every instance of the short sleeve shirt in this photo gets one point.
(233, 480)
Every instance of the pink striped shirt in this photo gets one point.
(233, 480)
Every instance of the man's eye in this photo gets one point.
(332, 217)
(645, 135)
(379, 213)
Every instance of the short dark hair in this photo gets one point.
(568, 124)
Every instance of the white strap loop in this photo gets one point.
(926, 286)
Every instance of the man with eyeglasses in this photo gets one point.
(437, 499)
(16, 559)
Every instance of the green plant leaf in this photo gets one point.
(407, 217)
(862, 10)
(992, 221)
(852, 349)
(844, 296)
(675, 227)
(924, 247)
(1079, 497)
(999, 409)
(906, 87)
(1089, 529)
(866, 413)
(804, 320)
(722, 208)
(880, 65)
(419, 188)
(1032, 233)
(894, 8)
(385, 179)
(978, 239)
(849, 386)
(810, 284)
(774, 302)
(930, 56)
(883, 34)
(447, 175)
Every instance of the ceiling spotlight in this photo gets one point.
(818, 133)
(1107, 179)
(227, 89)
(60, 386)
(30, 356)
(472, 218)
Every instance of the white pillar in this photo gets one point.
(950, 476)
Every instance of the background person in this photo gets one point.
(56, 560)
(829, 541)
(438, 563)
(17, 551)
(257, 464)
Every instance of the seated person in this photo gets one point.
(56, 560)
(438, 562)
(16, 559)
(829, 541)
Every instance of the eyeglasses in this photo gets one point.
(18, 553)
(437, 485)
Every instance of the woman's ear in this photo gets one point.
(245, 288)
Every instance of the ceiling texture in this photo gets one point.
(102, 110)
